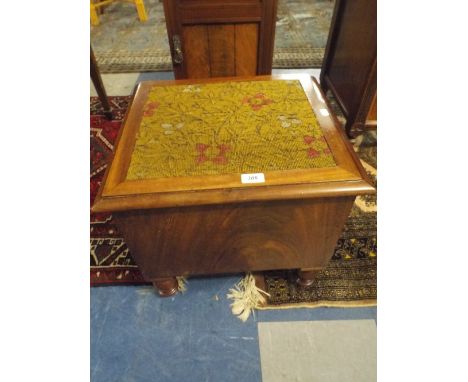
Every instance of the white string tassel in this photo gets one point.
(246, 297)
(181, 284)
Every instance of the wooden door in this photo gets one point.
(349, 68)
(219, 38)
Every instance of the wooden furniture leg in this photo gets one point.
(99, 86)
(306, 276)
(324, 86)
(97, 7)
(140, 6)
(166, 286)
(93, 12)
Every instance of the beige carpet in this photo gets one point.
(122, 43)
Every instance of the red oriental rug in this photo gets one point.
(111, 262)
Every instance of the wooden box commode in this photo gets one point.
(230, 175)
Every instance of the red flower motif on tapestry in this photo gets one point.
(309, 140)
(220, 158)
(201, 148)
(150, 108)
(311, 151)
(257, 101)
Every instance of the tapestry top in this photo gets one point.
(227, 128)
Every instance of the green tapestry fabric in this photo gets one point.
(227, 128)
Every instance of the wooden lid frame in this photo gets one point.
(347, 178)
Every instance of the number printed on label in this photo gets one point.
(253, 178)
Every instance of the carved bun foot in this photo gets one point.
(306, 277)
(166, 286)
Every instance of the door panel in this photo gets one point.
(221, 39)
(246, 49)
(220, 50)
(196, 51)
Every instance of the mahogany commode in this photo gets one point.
(178, 184)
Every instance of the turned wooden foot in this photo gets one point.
(108, 114)
(306, 276)
(166, 286)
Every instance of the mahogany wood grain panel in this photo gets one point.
(246, 49)
(234, 238)
(231, 196)
(232, 181)
(196, 51)
(219, 11)
(221, 39)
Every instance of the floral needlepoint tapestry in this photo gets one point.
(229, 127)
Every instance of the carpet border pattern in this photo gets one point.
(159, 60)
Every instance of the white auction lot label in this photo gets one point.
(253, 178)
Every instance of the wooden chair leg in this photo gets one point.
(348, 127)
(99, 86)
(140, 6)
(94, 15)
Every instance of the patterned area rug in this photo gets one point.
(111, 262)
(349, 280)
(351, 276)
(122, 43)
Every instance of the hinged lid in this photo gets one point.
(225, 140)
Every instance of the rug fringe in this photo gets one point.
(322, 304)
(181, 284)
(246, 296)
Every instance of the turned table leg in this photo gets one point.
(99, 86)
(306, 276)
(166, 286)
